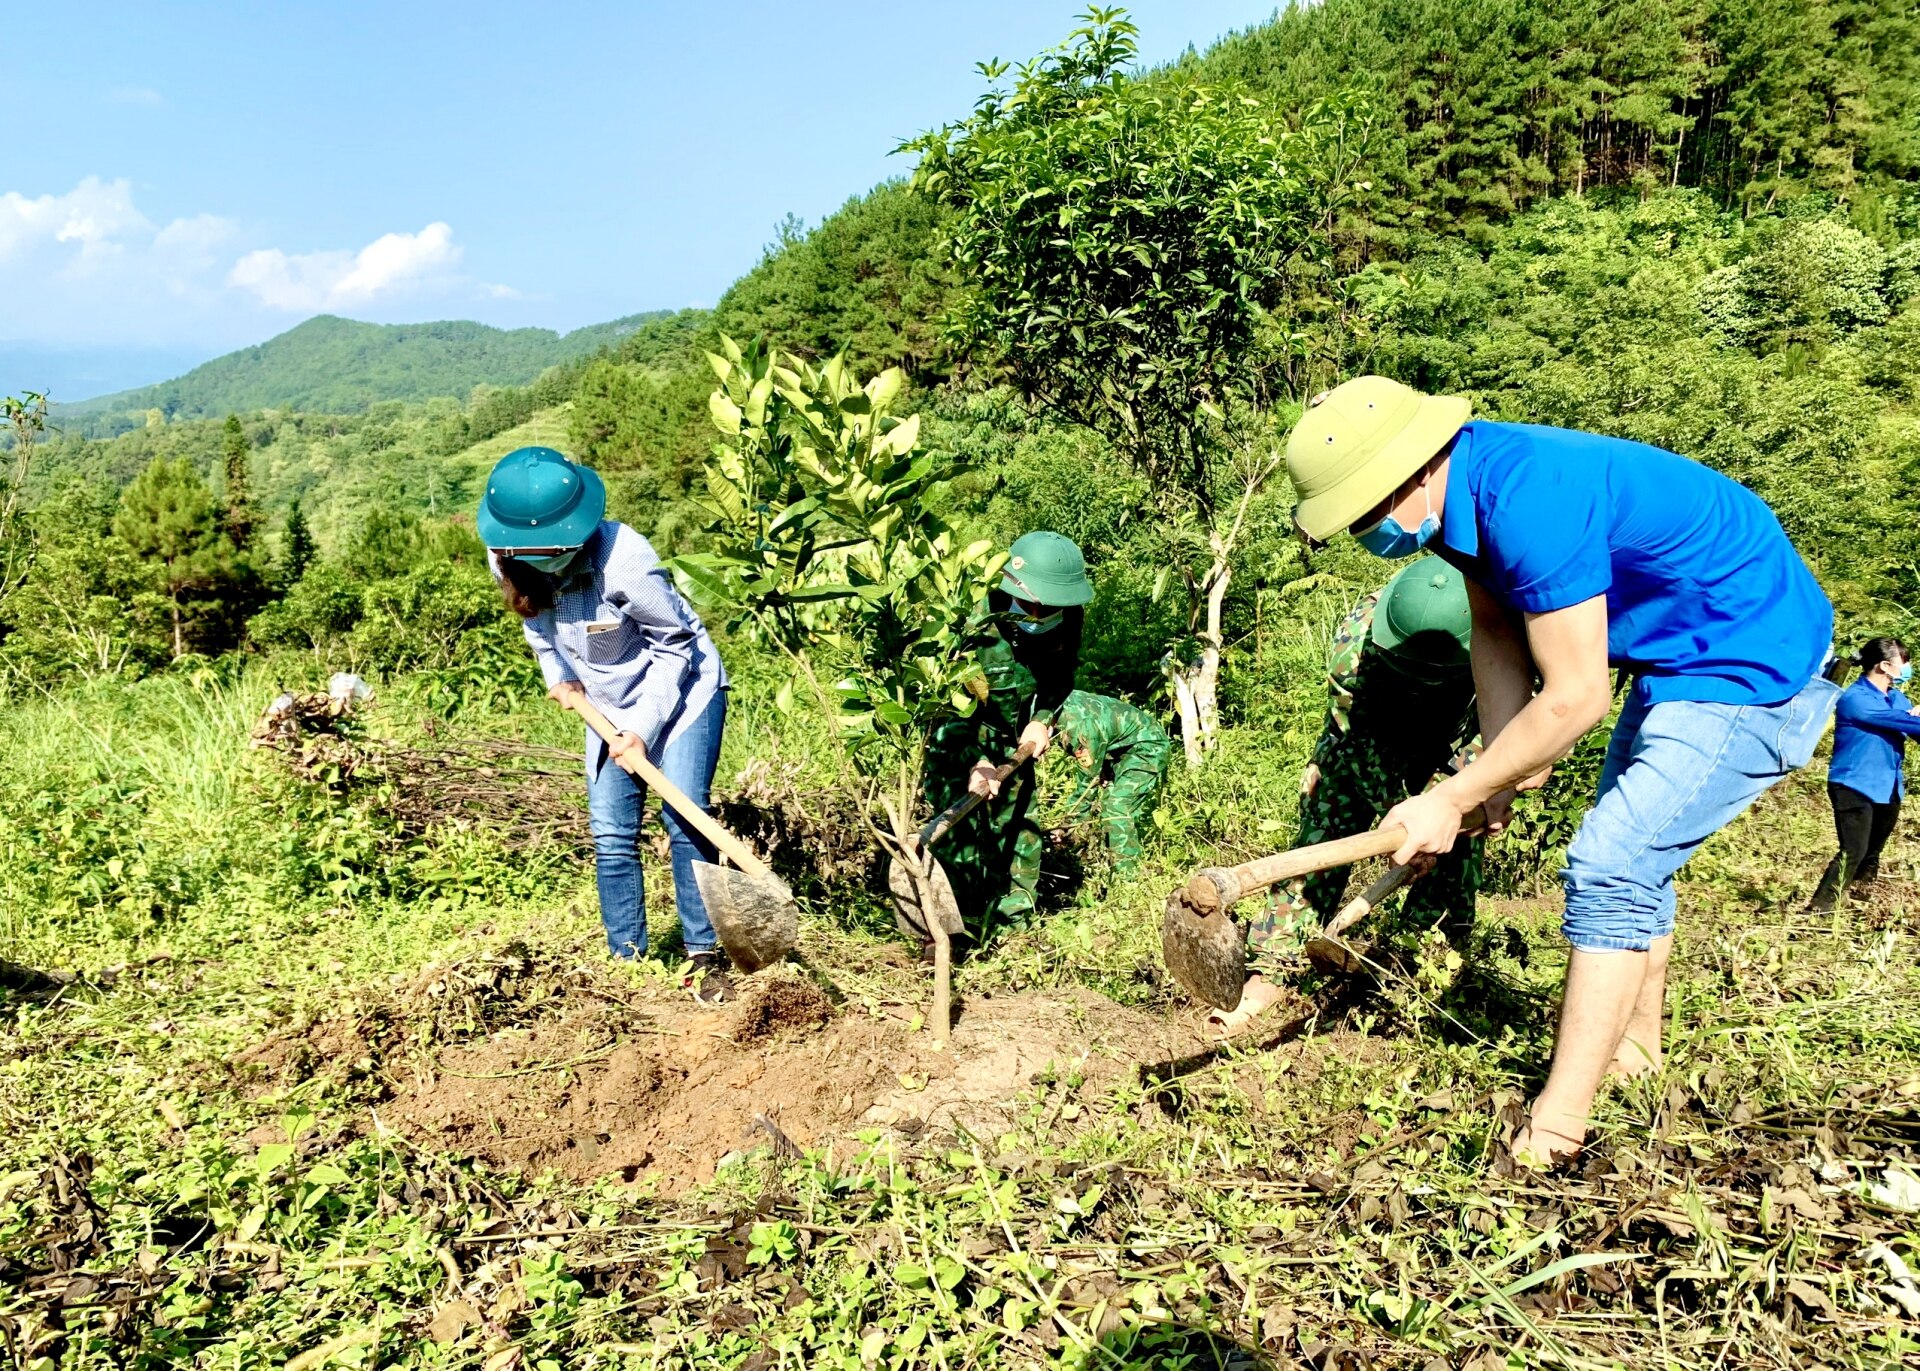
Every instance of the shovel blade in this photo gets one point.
(754, 916)
(1207, 953)
(917, 902)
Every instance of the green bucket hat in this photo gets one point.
(535, 497)
(1047, 569)
(1358, 443)
(1423, 616)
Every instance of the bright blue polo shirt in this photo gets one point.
(1706, 598)
(1870, 735)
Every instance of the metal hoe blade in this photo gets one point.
(914, 899)
(755, 917)
(1207, 953)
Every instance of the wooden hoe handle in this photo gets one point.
(673, 795)
(1363, 904)
(944, 821)
(1219, 887)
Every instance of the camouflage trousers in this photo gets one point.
(1360, 779)
(1124, 801)
(992, 857)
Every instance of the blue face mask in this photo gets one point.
(1026, 623)
(553, 566)
(1904, 674)
(1389, 540)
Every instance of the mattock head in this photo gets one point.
(1205, 951)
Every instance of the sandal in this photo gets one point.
(1229, 1022)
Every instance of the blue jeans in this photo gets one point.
(1676, 773)
(615, 801)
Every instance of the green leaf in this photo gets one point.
(913, 1276)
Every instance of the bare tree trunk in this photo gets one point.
(1196, 685)
(1181, 678)
(942, 980)
(903, 839)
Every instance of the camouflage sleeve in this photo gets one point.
(1343, 662)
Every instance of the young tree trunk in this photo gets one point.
(173, 609)
(1196, 685)
(904, 840)
(942, 979)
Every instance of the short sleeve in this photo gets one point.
(1545, 540)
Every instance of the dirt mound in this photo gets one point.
(537, 1064)
(773, 1004)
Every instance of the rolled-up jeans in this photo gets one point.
(1676, 773)
(615, 802)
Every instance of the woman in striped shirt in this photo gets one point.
(607, 624)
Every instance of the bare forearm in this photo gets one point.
(1503, 669)
(1539, 735)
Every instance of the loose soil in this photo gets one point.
(538, 1065)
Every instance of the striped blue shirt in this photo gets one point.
(621, 628)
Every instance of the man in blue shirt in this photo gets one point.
(1581, 553)
(1867, 780)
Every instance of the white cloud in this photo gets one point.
(95, 216)
(88, 265)
(390, 264)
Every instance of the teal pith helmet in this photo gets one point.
(1423, 617)
(1047, 569)
(535, 497)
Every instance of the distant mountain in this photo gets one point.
(331, 365)
(80, 371)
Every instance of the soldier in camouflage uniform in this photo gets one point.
(1107, 735)
(1400, 708)
(992, 857)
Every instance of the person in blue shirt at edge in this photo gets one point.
(1866, 781)
(609, 626)
(1582, 552)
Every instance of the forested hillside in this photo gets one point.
(346, 1058)
(331, 365)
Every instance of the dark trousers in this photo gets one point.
(1864, 828)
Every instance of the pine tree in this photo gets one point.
(297, 546)
(169, 519)
(234, 452)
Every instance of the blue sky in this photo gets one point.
(193, 177)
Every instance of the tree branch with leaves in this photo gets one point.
(26, 417)
(823, 537)
(1125, 241)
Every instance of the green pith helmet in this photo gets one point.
(535, 497)
(1358, 443)
(1047, 569)
(1423, 617)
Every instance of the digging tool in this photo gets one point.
(752, 910)
(1219, 888)
(1328, 948)
(923, 899)
(923, 895)
(1207, 951)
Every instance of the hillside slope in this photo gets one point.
(340, 366)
